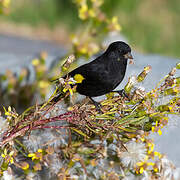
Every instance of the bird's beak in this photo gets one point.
(128, 56)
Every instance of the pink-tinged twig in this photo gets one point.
(51, 127)
(69, 117)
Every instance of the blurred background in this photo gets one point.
(150, 26)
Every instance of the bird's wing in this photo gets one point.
(96, 79)
(92, 72)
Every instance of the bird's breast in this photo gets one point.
(117, 68)
(116, 72)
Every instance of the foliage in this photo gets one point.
(79, 142)
(17, 91)
(150, 30)
(122, 120)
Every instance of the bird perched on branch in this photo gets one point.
(103, 74)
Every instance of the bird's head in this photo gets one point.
(120, 49)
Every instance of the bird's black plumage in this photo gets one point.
(105, 73)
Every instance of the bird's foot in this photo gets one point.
(97, 105)
(122, 93)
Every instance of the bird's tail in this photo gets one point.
(57, 98)
(60, 95)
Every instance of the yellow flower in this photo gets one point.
(115, 23)
(32, 155)
(78, 78)
(151, 147)
(153, 128)
(40, 150)
(160, 132)
(43, 84)
(74, 39)
(139, 163)
(92, 13)
(157, 154)
(70, 108)
(37, 155)
(35, 62)
(68, 87)
(141, 170)
(155, 169)
(6, 3)
(83, 50)
(7, 113)
(142, 139)
(4, 154)
(10, 113)
(170, 108)
(71, 91)
(150, 164)
(83, 11)
(25, 166)
(8, 157)
(156, 123)
(65, 90)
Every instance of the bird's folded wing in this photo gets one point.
(92, 72)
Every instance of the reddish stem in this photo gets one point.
(69, 117)
(51, 127)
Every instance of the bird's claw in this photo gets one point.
(98, 107)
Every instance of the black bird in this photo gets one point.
(105, 73)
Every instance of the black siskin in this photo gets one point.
(105, 73)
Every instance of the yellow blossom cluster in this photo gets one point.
(11, 115)
(151, 160)
(37, 155)
(4, 5)
(8, 156)
(68, 82)
(84, 47)
(160, 122)
(90, 10)
(42, 83)
(86, 11)
(113, 24)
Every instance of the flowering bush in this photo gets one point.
(77, 142)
